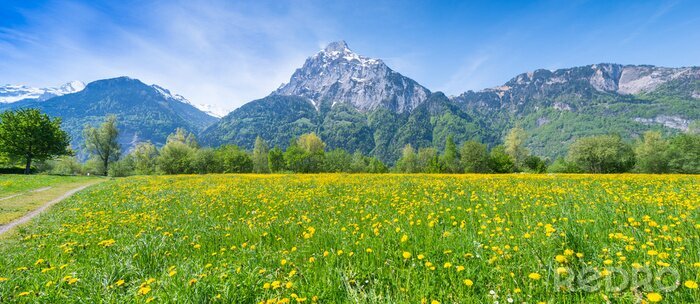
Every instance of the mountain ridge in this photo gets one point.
(145, 112)
(555, 107)
(13, 93)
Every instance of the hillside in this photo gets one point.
(556, 107)
(358, 103)
(145, 113)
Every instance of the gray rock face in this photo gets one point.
(635, 79)
(578, 82)
(674, 122)
(639, 79)
(338, 75)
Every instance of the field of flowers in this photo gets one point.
(364, 238)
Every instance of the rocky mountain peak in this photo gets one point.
(336, 74)
(337, 46)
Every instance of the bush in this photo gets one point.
(534, 164)
(121, 168)
(560, 165)
(601, 154)
(500, 161)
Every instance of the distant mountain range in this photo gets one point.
(145, 112)
(359, 103)
(14, 93)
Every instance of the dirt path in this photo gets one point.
(30, 215)
(30, 191)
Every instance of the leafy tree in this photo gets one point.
(376, 166)
(234, 159)
(144, 157)
(30, 135)
(260, 161)
(474, 157)
(601, 154)
(122, 167)
(205, 161)
(359, 163)
(408, 163)
(296, 159)
(311, 143)
(275, 159)
(652, 153)
(305, 155)
(428, 161)
(176, 158)
(500, 161)
(514, 144)
(184, 137)
(450, 158)
(560, 165)
(102, 142)
(684, 154)
(535, 164)
(337, 160)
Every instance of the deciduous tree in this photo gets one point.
(102, 142)
(30, 135)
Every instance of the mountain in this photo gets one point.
(277, 118)
(353, 102)
(144, 112)
(338, 75)
(556, 107)
(359, 103)
(14, 93)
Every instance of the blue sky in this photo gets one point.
(227, 53)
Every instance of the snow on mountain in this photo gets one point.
(13, 93)
(337, 74)
(212, 110)
(206, 108)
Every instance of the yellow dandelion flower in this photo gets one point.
(654, 297)
(143, 290)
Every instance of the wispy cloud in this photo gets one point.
(661, 11)
(220, 53)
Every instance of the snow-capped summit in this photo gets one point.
(336, 74)
(337, 46)
(14, 93)
(166, 93)
(72, 87)
(206, 108)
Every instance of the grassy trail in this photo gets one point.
(17, 205)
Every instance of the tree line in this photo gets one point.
(30, 137)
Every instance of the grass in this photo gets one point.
(360, 238)
(15, 207)
(11, 184)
